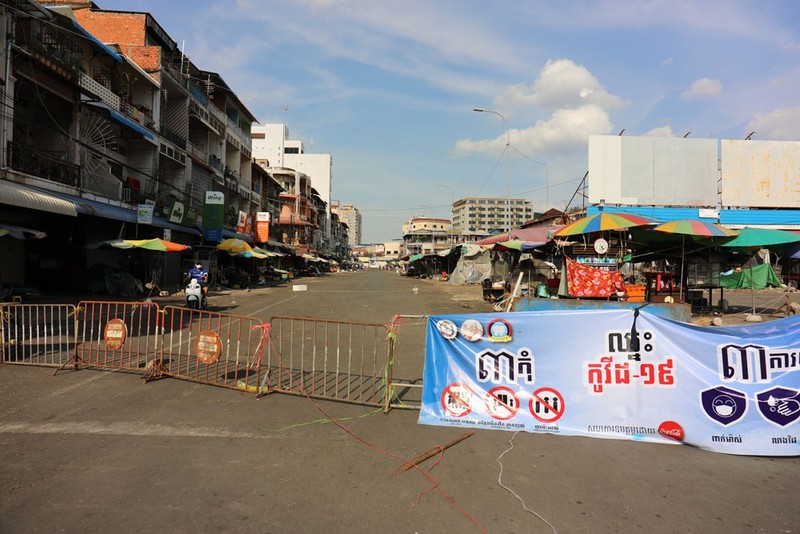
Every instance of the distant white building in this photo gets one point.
(477, 215)
(271, 142)
(392, 250)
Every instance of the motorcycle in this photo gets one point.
(195, 296)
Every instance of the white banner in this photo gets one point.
(618, 374)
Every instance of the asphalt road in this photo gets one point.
(98, 451)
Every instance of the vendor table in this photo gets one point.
(702, 304)
(657, 283)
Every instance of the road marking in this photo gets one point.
(274, 304)
(67, 389)
(122, 429)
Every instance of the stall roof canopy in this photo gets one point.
(538, 235)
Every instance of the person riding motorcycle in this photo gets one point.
(201, 275)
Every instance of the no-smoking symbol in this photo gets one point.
(547, 405)
(457, 400)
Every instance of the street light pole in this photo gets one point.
(452, 196)
(508, 161)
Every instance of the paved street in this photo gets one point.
(97, 451)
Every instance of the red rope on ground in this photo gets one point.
(435, 484)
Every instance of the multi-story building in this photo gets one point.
(340, 247)
(350, 215)
(298, 223)
(271, 143)
(204, 141)
(426, 235)
(102, 114)
(486, 215)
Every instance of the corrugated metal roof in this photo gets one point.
(782, 219)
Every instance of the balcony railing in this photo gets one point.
(141, 114)
(197, 151)
(99, 90)
(36, 163)
(58, 51)
(216, 163)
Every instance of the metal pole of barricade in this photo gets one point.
(389, 374)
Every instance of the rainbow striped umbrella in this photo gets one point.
(695, 228)
(155, 244)
(605, 221)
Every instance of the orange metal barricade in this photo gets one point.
(117, 335)
(213, 348)
(37, 334)
(332, 360)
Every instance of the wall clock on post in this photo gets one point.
(601, 246)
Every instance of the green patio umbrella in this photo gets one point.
(694, 228)
(752, 239)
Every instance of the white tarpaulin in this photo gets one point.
(474, 265)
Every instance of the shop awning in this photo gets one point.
(230, 234)
(23, 196)
(95, 208)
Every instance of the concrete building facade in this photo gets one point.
(271, 142)
(482, 215)
(426, 235)
(350, 216)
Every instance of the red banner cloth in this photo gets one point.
(586, 281)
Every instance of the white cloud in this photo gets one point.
(667, 61)
(781, 124)
(565, 131)
(577, 103)
(702, 88)
(561, 84)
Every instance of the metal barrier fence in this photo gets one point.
(117, 335)
(37, 334)
(333, 360)
(212, 348)
(405, 367)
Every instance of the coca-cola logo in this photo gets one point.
(671, 430)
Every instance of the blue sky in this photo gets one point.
(388, 87)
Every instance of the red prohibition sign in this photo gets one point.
(547, 405)
(455, 400)
(502, 403)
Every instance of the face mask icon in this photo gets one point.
(724, 406)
